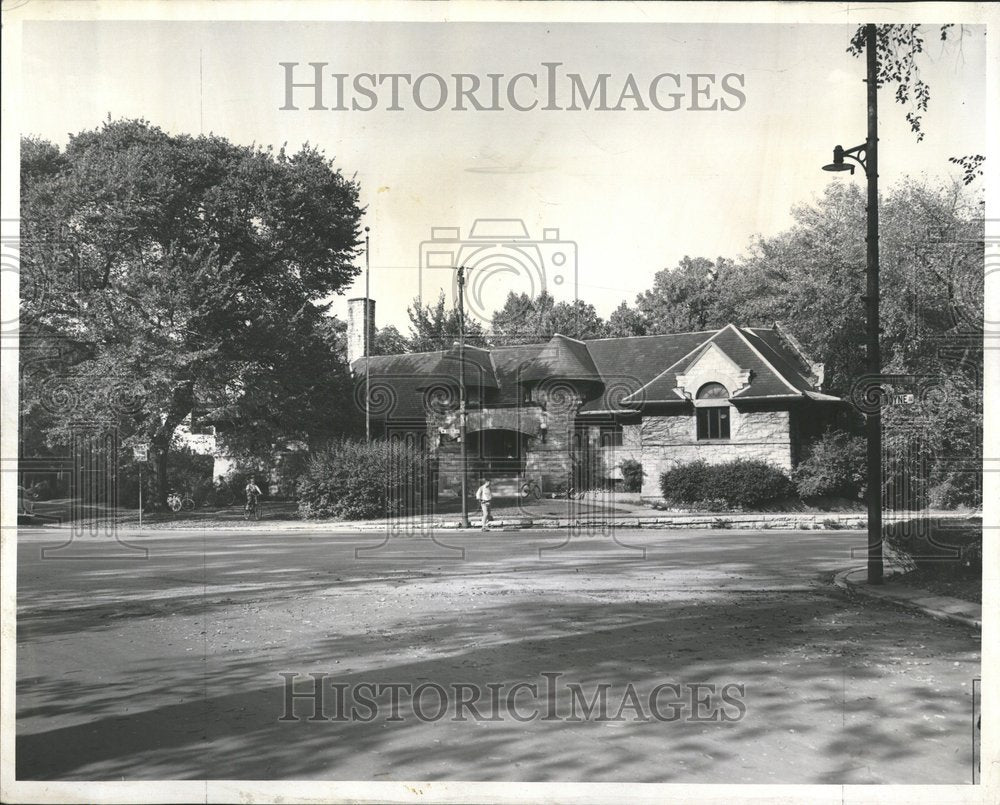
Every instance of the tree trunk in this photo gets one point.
(181, 406)
(161, 450)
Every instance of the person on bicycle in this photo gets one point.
(253, 492)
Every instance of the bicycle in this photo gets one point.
(252, 511)
(531, 489)
(567, 492)
(175, 502)
(223, 495)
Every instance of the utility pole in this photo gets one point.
(873, 421)
(462, 423)
(366, 323)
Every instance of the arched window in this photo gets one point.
(713, 391)
(713, 420)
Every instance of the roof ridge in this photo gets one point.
(815, 369)
(794, 361)
(648, 335)
(568, 338)
(767, 363)
(670, 368)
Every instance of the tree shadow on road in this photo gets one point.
(824, 699)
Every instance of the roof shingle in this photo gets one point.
(640, 369)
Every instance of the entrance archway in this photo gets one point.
(498, 452)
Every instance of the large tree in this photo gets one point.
(811, 277)
(626, 321)
(436, 326)
(527, 320)
(168, 273)
(683, 299)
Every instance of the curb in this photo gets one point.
(770, 521)
(726, 521)
(940, 607)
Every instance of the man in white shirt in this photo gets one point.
(485, 497)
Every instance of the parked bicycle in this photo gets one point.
(567, 492)
(531, 490)
(176, 502)
(223, 494)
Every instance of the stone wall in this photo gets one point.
(670, 440)
(548, 461)
(657, 442)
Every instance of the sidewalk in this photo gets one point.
(777, 521)
(937, 606)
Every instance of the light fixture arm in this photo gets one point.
(858, 154)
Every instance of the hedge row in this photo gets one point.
(738, 484)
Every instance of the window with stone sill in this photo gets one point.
(611, 436)
(713, 421)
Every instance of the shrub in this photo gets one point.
(352, 480)
(834, 465)
(633, 474)
(687, 483)
(956, 489)
(187, 472)
(742, 483)
(942, 547)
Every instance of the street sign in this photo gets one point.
(140, 452)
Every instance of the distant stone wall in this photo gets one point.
(671, 440)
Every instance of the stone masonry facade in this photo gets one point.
(666, 441)
(552, 412)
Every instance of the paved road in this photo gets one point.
(169, 666)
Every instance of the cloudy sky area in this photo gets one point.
(634, 190)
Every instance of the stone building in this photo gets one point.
(568, 412)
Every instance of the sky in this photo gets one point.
(630, 192)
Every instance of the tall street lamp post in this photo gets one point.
(866, 155)
(462, 415)
(367, 324)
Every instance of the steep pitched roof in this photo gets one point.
(765, 379)
(510, 364)
(562, 357)
(478, 367)
(790, 364)
(398, 384)
(633, 370)
(627, 364)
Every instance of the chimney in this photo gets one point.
(360, 328)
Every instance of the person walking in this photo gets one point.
(485, 497)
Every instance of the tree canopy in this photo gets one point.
(526, 320)
(171, 274)
(437, 327)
